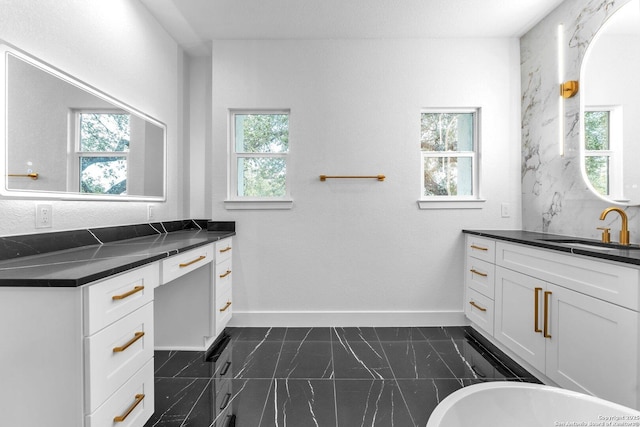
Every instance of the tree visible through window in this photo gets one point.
(102, 153)
(260, 147)
(598, 151)
(448, 146)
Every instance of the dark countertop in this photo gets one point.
(81, 265)
(612, 252)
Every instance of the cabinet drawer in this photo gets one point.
(181, 264)
(223, 277)
(481, 248)
(480, 276)
(479, 309)
(113, 298)
(115, 353)
(224, 249)
(123, 403)
(224, 310)
(223, 273)
(606, 281)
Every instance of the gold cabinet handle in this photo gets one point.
(187, 264)
(474, 271)
(480, 248)
(226, 306)
(227, 249)
(228, 272)
(536, 310)
(121, 418)
(477, 306)
(128, 294)
(135, 338)
(545, 333)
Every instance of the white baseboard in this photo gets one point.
(346, 318)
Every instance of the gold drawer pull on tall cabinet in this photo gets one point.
(136, 337)
(121, 418)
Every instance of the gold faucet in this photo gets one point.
(624, 232)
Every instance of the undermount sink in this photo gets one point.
(590, 244)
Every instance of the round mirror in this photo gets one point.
(610, 108)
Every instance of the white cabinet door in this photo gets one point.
(517, 323)
(593, 346)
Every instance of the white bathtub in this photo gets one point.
(511, 404)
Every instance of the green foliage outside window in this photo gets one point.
(261, 141)
(443, 138)
(596, 136)
(100, 135)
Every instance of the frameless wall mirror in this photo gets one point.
(64, 139)
(610, 108)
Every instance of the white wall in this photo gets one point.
(117, 47)
(361, 252)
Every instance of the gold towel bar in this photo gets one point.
(378, 177)
(26, 175)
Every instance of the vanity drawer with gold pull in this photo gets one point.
(480, 276)
(224, 310)
(181, 264)
(111, 299)
(479, 309)
(481, 248)
(117, 352)
(223, 276)
(130, 406)
(224, 249)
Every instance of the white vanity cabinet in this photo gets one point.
(118, 348)
(83, 356)
(480, 282)
(574, 319)
(193, 305)
(223, 279)
(60, 360)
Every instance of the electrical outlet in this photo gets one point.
(505, 210)
(44, 216)
(151, 213)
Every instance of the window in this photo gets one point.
(101, 154)
(449, 146)
(602, 150)
(259, 150)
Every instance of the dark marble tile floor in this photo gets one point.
(324, 377)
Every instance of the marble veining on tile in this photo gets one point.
(323, 377)
(74, 258)
(555, 197)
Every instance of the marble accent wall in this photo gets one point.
(555, 197)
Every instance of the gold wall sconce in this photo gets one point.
(569, 88)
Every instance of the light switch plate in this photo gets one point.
(505, 210)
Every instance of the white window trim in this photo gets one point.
(615, 151)
(73, 160)
(455, 202)
(235, 202)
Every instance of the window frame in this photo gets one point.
(234, 201)
(472, 201)
(73, 166)
(614, 153)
